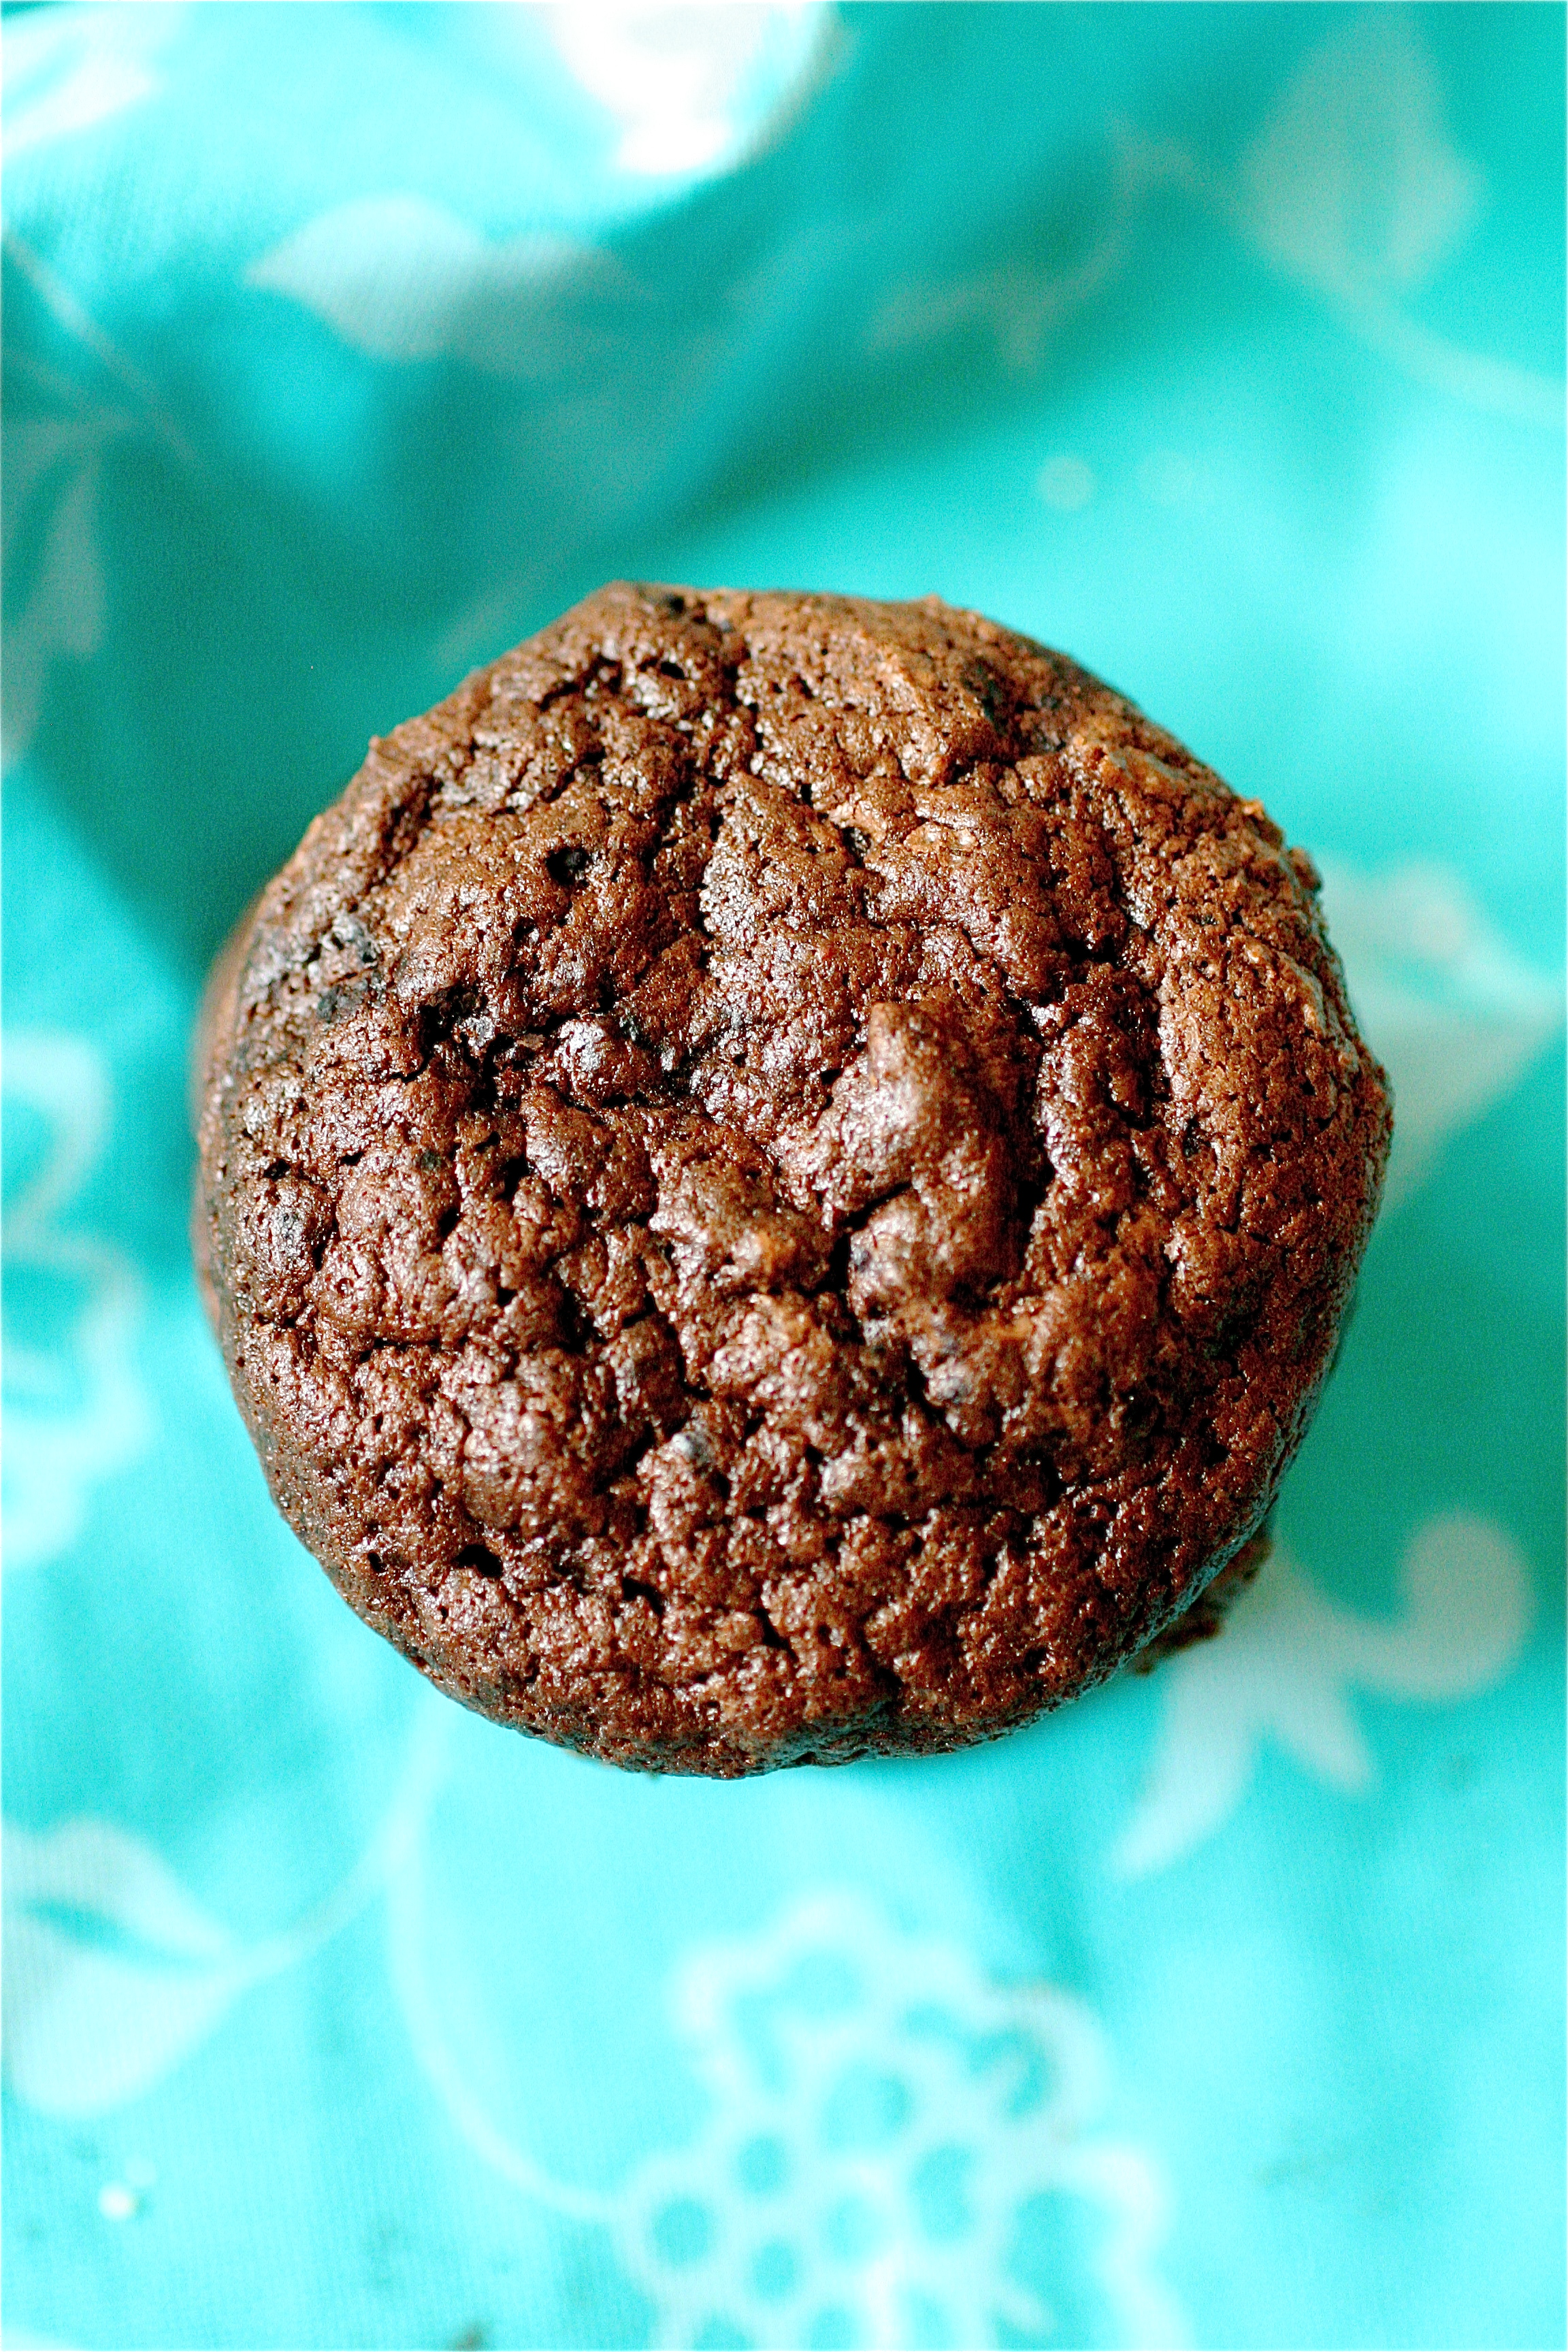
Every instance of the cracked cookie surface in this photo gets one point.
(779, 1177)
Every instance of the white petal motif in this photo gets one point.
(76, 1411)
(1287, 1662)
(57, 611)
(68, 69)
(90, 1866)
(404, 279)
(1352, 183)
(88, 2029)
(114, 1973)
(90, 2023)
(1446, 1003)
(1353, 188)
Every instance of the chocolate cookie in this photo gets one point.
(779, 1178)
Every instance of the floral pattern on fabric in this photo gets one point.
(1223, 348)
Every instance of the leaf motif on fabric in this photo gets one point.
(76, 1409)
(90, 1866)
(404, 279)
(1287, 1663)
(68, 69)
(1456, 1016)
(56, 596)
(1352, 181)
(1352, 188)
(112, 1973)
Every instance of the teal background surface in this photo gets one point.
(1222, 347)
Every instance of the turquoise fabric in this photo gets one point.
(1222, 347)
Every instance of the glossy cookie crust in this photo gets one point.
(779, 1178)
